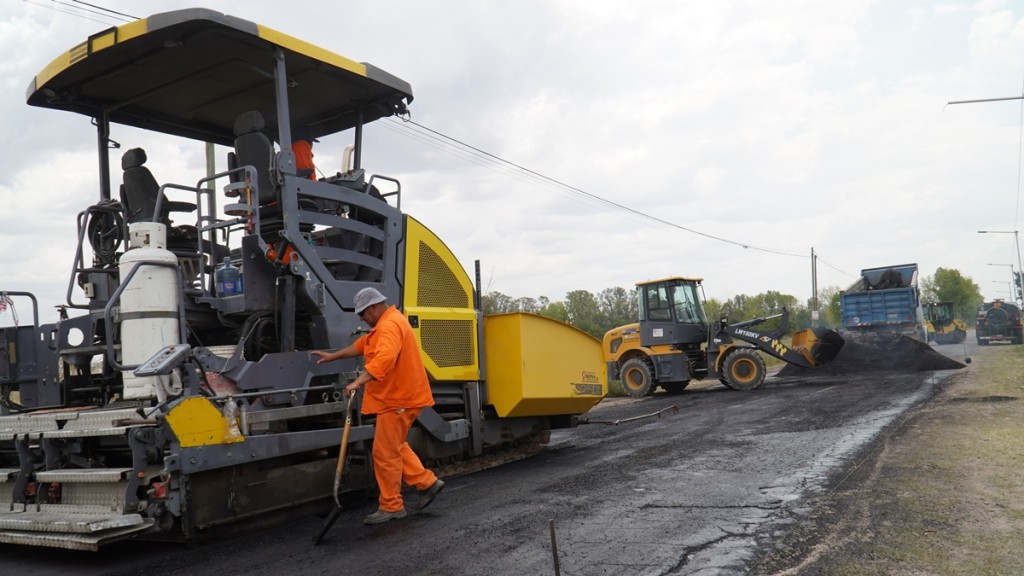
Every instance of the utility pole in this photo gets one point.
(815, 312)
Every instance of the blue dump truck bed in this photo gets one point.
(878, 307)
(884, 299)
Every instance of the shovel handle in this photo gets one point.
(343, 449)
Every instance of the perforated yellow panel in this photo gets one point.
(448, 342)
(437, 285)
(438, 300)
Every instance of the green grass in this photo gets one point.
(949, 494)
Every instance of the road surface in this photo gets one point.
(702, 491)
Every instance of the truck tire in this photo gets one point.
(637, 378)
(743, 369)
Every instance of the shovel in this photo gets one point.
(333, 517)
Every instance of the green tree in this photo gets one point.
(496, 303)
(618, 306)
(713, 310)
(828, 306)
(584, 312)
(554, 310)
(949, 285)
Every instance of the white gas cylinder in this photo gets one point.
(149, 308)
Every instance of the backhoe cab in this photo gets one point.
(673, 343)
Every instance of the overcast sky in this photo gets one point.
(779, 126)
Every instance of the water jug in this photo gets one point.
(228, 279)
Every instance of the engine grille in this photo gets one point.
(448, 342)
(438, 286)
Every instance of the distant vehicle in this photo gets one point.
(943, 325)
(885, 300)
(998, 321)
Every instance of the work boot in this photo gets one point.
(427, 496)
(381, 516)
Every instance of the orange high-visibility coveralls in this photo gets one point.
(397, 394)
(303, 151)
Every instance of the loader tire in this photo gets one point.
(637, 378)
(743, 369)
(959, 336)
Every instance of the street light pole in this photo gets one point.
(1019, 282)
(1013, 277)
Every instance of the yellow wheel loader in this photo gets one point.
(942, 324)
(673, 343)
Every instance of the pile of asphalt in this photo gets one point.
(878, 353)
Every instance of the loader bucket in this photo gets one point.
(818, 345)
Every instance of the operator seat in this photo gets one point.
(253, 148)
(140, 191)
(139, 194)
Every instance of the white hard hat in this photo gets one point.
(367, 297)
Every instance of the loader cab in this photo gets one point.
(672, 312)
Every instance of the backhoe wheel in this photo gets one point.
(959, 336)
(637, 379)
(743, 369)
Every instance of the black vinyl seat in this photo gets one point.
(140, 191)
(253, 148)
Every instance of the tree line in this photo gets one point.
(597, 313)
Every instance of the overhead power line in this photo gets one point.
(86, 11)
(105, 9)
(424, 131)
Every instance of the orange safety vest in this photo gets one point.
(393, 359)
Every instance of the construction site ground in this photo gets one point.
(888, 472)
(940, 493)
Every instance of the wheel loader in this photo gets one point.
(673, 343)
(942, 324)
(176, 397)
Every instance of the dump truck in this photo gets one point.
(176, 398)
(673, 343)
(942, 323)
(998, 321)
(884, 301)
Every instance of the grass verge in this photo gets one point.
(945, 492)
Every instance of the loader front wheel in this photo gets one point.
(637, 379)
(743, 369)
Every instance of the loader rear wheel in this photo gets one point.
(743, 369)
(637, 378)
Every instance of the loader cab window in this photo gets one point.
(655, 303)
(686, 304)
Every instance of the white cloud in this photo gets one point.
(781, 125)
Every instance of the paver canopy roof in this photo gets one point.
(192, 72)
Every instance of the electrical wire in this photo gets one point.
(106, 9)
(424, 130)
(70, 12)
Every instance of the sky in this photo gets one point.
(721, 140)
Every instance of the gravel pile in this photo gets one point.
(879, 353)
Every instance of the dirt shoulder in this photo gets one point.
(941, 493)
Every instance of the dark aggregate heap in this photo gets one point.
(864, 352)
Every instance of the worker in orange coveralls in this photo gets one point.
(396, 390)
(303, 151)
